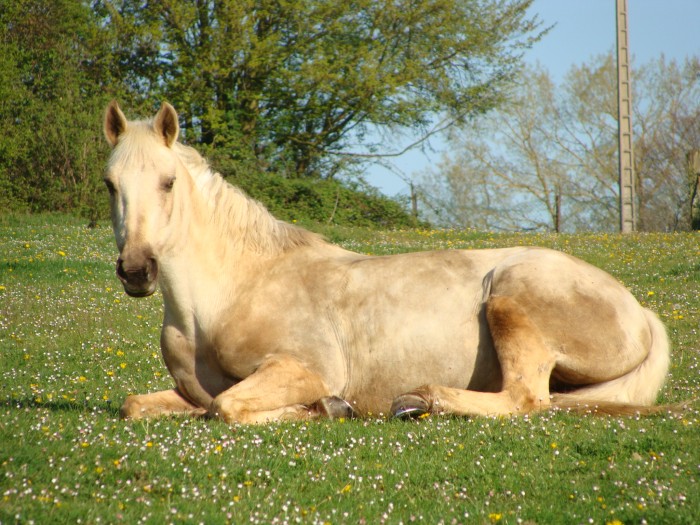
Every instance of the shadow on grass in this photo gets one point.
(107, 407)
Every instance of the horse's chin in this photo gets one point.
(131, 292)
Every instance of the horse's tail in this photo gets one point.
(632, 393)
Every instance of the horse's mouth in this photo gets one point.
(139, 293)
(138, 281)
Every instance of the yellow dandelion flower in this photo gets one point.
(495, 517)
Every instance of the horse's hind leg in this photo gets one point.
(526, 365)
(158, 404)
(281, 388)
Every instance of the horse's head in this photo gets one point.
(140, 177)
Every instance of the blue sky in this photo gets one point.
(583, 29)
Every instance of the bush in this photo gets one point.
(317, 200)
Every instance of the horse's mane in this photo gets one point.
(237, 215)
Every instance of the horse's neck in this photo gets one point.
(225, 235)
(243, 226)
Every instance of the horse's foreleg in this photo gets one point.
(526, 365)
(158, 404)
(281, 388)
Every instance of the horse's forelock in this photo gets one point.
(135, 144)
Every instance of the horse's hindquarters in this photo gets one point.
(588, 320)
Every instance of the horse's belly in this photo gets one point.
(414, 320)
(394, 356)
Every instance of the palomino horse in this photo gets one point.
(266, 321)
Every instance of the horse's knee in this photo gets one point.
(133, 408)
(523, 400)
(229, 409)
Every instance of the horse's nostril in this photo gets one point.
(138, 277)
(120, 269)
(135, 274)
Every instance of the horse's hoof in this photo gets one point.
(410, 406)
(334, 407)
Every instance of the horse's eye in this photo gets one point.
(168, 184)
(110, 186)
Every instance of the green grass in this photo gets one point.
(72, 346)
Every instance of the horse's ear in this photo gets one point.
(166, 124)
(115, 123)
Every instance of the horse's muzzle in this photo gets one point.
(139, 280)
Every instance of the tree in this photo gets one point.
(668, 129)
(548, 159)
(50, 97)
(508, 172)
(292, 86)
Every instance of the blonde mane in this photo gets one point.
(238, 216)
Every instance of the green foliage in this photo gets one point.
(326, 201)
(281, 88)
(72, 346)
(296, 83)
(50, 97)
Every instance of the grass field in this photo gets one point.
(72, 346)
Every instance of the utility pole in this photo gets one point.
(628, 212)
(694, 183)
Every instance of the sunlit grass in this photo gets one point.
(73, 346)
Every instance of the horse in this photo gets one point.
(266, 321)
